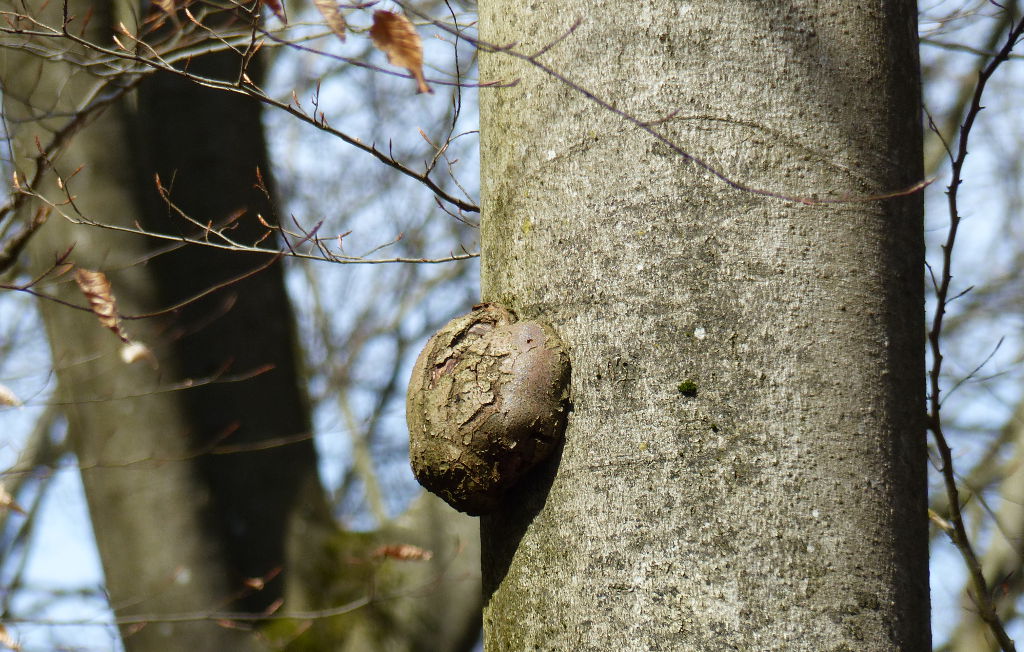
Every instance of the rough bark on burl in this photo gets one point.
(487, 401)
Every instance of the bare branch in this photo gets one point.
(981, 592)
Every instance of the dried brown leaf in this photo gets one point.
(402, 552)
(329, 10)
(7, 640)
(394, 35)
(7, 501)
(96, 288)
(7, 397)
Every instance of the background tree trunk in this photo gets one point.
(194, 492)
(783, 505)
(207, 148)
(151, 512)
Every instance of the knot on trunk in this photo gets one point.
(487, 401)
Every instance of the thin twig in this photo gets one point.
(648, 126)
(148, 65)
(982, 596)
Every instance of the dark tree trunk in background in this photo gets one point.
(159, 521)
(194, 491)
(206, 146)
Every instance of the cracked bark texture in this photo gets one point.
(779, 502)
(486, 403)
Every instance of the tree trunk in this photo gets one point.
(151, 512)
(193, 492)
(207, 148)
(744, 466)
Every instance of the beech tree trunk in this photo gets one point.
(200, 491)
(744, 465)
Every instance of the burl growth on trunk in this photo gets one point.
(487, 401)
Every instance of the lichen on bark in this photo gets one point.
(487, 401)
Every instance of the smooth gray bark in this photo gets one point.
(781, 507)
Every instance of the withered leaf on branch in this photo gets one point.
(8, 398)
(96, 288)
(395, 36)
(7, 501)
(7, 641)
(329, 10)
